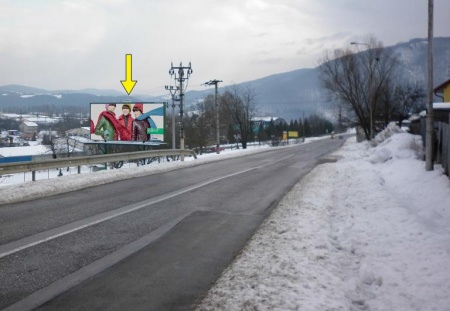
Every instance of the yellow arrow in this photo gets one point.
(128, 83)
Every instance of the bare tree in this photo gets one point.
(63, 146)
(240, 104)
(407, 99)
(199, 125)
(358, 80)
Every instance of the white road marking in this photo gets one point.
(16, 246)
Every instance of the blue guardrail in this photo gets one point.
(15, 159)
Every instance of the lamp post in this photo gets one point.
(181, 73)
(370, 87)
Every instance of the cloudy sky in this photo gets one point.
(76, 44)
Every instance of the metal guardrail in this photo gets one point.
(33, 166)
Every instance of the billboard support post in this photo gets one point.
(180, 76)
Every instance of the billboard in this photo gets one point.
(128, 121)
(293, 134)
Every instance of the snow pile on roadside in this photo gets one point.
(393, 142)
(368, 232)
(389, 131)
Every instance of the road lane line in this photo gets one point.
(16, 246)
(62, 285)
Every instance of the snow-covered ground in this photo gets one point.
(368, 232)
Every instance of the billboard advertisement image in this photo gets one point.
(128, 121)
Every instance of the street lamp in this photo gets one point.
(181, 73)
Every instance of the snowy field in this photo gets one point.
(368, 232)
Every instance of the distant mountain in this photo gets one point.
(290, 94)
(21, 89)
(413, 57)
(45, 102)
(21, 99)
(293, 93)
(26, 90)
(286, 95)
(96, 92)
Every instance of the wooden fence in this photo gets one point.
(441, 148)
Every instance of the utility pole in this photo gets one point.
(215, 82)
(303, 126)
(173, 91)
(180, 76)
(429, 133)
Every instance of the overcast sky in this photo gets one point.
(75, 44)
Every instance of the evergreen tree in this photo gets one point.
(308, 131)
(262, 136)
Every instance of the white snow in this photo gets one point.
(24, 150)
(368, 232)
(441, 105)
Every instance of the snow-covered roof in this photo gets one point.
(81, 139)
(46, 132)
(436, 106)
(22, 151)
(10, 115)
(265, 119)
(29, 123)
(441, 106)
(42, 119)
(414, 117)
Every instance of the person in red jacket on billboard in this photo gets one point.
(108, 127)
(126, 121)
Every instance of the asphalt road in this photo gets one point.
(150, 243)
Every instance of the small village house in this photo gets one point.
(442, 109)
(29, 129)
